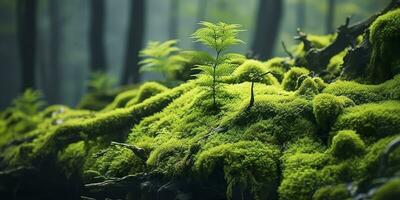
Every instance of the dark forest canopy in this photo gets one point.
(75, 38)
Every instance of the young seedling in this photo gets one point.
(254, 78)
(219, 37)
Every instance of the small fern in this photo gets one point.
(100, 81)
(29, 103)
(219, 37)
(161, 58)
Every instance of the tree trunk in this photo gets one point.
(330, 18)
(201, 16)
(26, 30)
(97, 50)
(301, 14)
(173, 19)
(135, 42)
(267, 27)
(54, 55)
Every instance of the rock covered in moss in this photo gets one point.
(291, 79)
(389, 191)
(332, 193)
(327, 108)
(346, 144)
(385, 40)
(254, 70)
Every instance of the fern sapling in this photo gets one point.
(219, 37)
(160, 57)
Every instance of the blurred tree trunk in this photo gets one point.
(173, 19)
(301, 14)
(330, 16)
(201, 16)
(97, 49)
(134, 43)
(53, 76)
(267, 28)
(26, 30)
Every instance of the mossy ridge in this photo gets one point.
(111, 125)
(371, 121)
(363, 93)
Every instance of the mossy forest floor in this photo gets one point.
(305, 136)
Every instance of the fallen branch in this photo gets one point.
(139, 152)
(126, 182)
(318, 59)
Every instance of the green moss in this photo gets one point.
(308, 88)
(321, 83)
(250, 165)
(251, 70)
(335, 63)
(327, 108)
(347, 144)
(71, 159)
(361, 93)
(290, 81)
(373, 120)
(169, 156)
(385, 37)
(278, 111)
(368, 165)
(121, 100)
(96, 100)
(278, 66)
(332, 193)
(113, 124)
(299, 185)
(146, 91)
(389, 191)
(124, 162)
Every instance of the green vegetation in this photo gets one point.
(385, 37)
(303, 138)
(389, 191)
(161, 58)
(346, 144)
(218, 37)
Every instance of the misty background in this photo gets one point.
(64, 28)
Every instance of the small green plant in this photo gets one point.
(254, 77)
(219, 37)
(160, 57)
(29, 103)
(100, 81)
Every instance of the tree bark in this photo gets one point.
(134, 42)
(173, 19)
(330, 18)
(301, 14)
(54, 57)
(96, 42)
(267, 27)
(26, 30)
